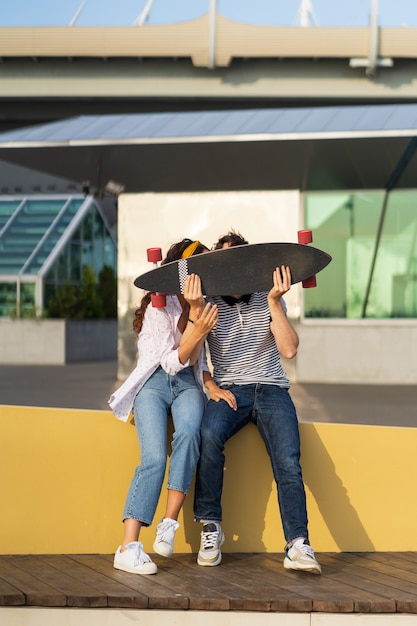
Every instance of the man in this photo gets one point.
(250, 385)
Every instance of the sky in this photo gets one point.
(265, 12)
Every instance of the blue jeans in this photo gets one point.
(161, 394)
(272, 410)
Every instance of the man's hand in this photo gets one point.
(282, 282)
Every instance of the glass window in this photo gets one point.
(75, 262)
(62, 266)
(27, 300)
(88, 240)
(7, 208)
(26, 231)
(109, 252)
(98, 250)
(49, 243)
(48, 293)
(363, 279)
(78, 235)
(50, 277)
(8, 299)
(39, 233)
(393, 290)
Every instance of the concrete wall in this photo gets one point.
(56, 342)
(332, 351)
(160, 219)
(91, 340)
(67, 477)
(356, 351)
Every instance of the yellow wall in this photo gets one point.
(65, 475)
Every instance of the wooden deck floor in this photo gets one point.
(350, 583)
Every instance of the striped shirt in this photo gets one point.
(242, 346)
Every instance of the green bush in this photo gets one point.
(91, 299)
(107, 287)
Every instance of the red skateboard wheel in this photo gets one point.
(305, 236)
(309, 283)
(154, 255)
(158, 300)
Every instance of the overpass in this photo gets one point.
(282, 140)
(49, 73)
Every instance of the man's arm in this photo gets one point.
(285, 336)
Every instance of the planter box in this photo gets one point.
(57, 342)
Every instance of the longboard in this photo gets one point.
(236, 270)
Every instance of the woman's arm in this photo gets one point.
(195, 333)
(217, 393)
(202, 318)
(158, 338)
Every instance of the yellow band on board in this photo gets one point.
(189, 250)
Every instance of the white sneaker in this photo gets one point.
(300, 556)
(165, 533)
(134, 560)
(212, 538)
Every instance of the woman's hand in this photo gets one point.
(202, 315)
(202, 318)
(217, 393)
(193, 293)
(205, 322)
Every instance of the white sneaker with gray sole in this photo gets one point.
(212, 538)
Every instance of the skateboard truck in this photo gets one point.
(155, 256)
(306, 237)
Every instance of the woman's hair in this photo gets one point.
(175, 253)
(233, 238)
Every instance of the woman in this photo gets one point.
(168, 378)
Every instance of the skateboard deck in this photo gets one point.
(236, 270)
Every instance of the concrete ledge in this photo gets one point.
(16, 616)
(71, 470)
(56, 342)
(356, 352)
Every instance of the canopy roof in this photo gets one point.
(317, 148)
(34, 230)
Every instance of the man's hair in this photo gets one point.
(233, 238)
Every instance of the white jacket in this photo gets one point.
(157, 346)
